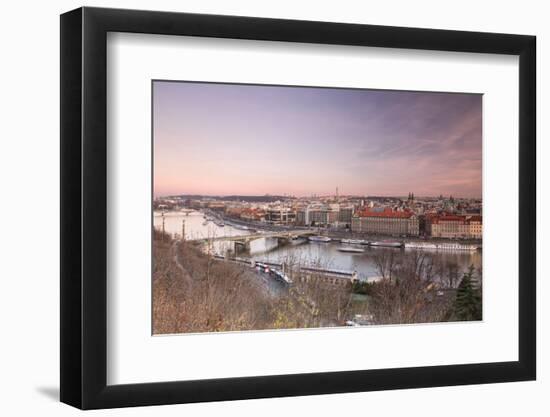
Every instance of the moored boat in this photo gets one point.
(456, 247)
(275, 273)
(319, 239)
(387, 244)
(354, 241)
(440, 246)
(351, 249)
(421, 245)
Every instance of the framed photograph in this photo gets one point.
(258, 208)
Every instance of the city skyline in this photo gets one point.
(327, 195)
(235, 139)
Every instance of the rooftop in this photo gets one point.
(463, 219)
(386, 213)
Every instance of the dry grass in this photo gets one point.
(193, 292)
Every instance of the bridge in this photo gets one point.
(246, 239)
(285, 234)
(242, 242)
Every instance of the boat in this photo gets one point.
(456, 247)
(262, 267)
(339, 272)
(421, 245)
(354, 241)
(387, 244)
(319, 239)
(281, 276)
(241, 227)
(351, 249)
(440, 246)
(276, 273)
(204, 223)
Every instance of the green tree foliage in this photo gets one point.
(467, 305)
(362, 287)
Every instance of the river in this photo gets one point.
(300, 251)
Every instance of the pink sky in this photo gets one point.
(221, 139)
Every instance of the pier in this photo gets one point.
(304, 273)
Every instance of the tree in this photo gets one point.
(362, 287)
(467, 305)
(406, 292)
(386, 262)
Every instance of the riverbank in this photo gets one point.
(448, 263)
(338, 234)
(194, 292)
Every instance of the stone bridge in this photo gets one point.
(244, 240)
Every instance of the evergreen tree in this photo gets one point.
(467, 305)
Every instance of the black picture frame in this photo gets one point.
(84, 207)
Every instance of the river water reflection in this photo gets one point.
(300, 251)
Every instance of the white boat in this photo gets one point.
(387, 244)
(421, 245)
(319, 239)
(354, 241)
(278, 274)
(456, 247)
(241, 227)
(351, 249)
(441, 246)
(281, 276)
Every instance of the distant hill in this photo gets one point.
(247, 198)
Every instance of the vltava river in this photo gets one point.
(300, 251)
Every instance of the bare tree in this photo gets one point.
(385, 261)
(411, 295)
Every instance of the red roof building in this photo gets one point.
(454, 226)
(388, 212)
(386, 222)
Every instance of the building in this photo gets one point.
(280, 215)
(233, 211)
(476, 226)
(253, 214)
(321, 216)
(317, 217)
(386, 222)
(451, 226)
(216, 206)
(332, 215)
(345, 214)
(301, 216)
